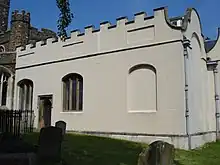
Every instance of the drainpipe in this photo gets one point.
(215, 72)
(213, 65)
(186, 44)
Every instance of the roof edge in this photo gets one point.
(186, 19)
(215, 40)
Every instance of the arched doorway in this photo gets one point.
(47, 112)
(45, 108)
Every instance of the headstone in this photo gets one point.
(158, 153)
(50, 144)
(62, 125)
(3, 107)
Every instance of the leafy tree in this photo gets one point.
(65, 18)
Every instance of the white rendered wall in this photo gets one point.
(110, 101)
(105, 92)
(201, 105)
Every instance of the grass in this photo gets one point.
(93, 150)
(209, 154)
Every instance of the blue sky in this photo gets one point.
(44, 13)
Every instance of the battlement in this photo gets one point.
(142, 28)
(23, 16)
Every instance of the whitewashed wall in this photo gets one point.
(133, 74)
(201, 88)
(111, 101)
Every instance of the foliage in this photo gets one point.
(205, 155)
(65, 18)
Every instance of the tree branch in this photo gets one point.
(65, 18)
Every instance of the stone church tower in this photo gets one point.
(20, 26)
(20, 33)
(4, 13)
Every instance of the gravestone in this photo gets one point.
(49, 148)
(158, 153)
(62, 125)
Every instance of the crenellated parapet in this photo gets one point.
(23, 16)
(143, 29)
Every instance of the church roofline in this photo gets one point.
(214, 42)
(186, 19)
(121, 21)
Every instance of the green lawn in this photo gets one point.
(92, 150)
(209, 154)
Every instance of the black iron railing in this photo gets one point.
(16, 121)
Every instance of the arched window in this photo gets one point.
(72, 92)
(25, 90)
(4, 76)
(2, 48)
(142, 88)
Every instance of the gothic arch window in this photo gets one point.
(142, 88)
(25, 90)
(72, 92)
(2, 48)
(4, 77)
